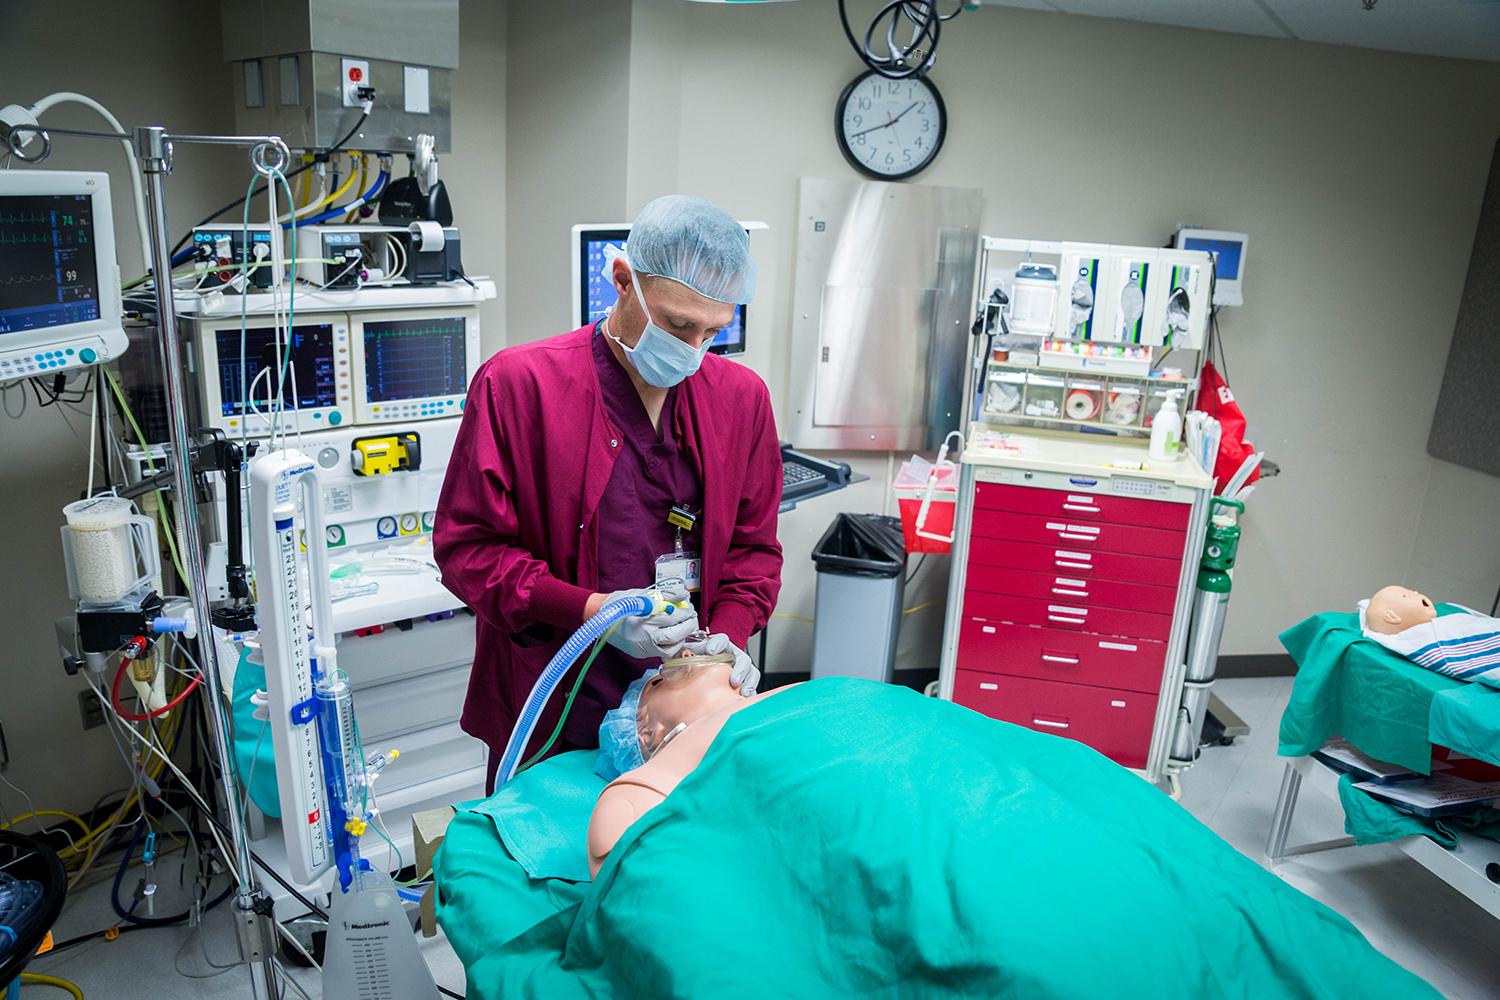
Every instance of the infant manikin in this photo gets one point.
(677, 711)
(1465, 647)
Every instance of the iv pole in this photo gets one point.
(268, 155)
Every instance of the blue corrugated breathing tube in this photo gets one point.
(553, 675)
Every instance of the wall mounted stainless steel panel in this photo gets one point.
(884, 274)
(321, 119)
(417, 32)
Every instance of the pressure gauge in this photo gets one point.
(386, 527)
(408, 524)
(890, 129)
(335, 533)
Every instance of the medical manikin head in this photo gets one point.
(658, 706)
(1396, 609)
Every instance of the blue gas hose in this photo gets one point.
(553, 675)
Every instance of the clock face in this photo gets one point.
(890, 129)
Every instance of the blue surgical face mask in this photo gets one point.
(660, 358)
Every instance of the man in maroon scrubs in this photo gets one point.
(611, 459)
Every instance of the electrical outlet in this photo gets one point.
(354, 79)
(91, 710)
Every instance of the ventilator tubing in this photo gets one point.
(553, 675)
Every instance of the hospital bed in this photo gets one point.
(1392, 710)
(880, 843)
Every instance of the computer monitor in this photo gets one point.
(315, 387)
(594, 293)
(1228, 250)
(60, 293)
(413, 364)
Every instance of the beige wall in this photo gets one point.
(149, 64)
(1358, 175)
(567, 101)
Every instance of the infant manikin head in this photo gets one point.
(1396, 609)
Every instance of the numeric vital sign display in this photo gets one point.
(48, 275)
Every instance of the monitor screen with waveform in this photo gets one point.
(414, 358)
(303, 362)
(48, 275)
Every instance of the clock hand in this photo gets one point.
(886, 124)
(873, 128)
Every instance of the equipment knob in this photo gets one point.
(87, 355)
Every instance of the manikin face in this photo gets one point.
(680, 697)
(1395, 609)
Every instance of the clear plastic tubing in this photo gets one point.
(553, 674)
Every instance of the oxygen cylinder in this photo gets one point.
(1210, 604)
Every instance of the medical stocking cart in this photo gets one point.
(1076, 556)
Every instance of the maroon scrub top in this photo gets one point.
(650, 476)
(520, 520)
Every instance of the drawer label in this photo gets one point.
(1126, 646)
(1059, 609)
(1083, 529)
(989, 687)
(1063, 581)
(1139, 487)
(1117, 704)
(1082, 499)
(1065, 554)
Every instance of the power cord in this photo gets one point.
(319, 158)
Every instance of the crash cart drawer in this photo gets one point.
(1085, 506)
(1114, 722)
(1064, 613)
(1089, 536)
(1073, 588)
(1057, 655)
(1074, 561)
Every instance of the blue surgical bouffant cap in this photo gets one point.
(695, 242)
(620, 734)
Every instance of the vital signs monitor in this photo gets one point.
(311, 366)
(59, 283)
(413, 364)
(593, 293)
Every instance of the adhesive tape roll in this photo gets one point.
(429, 236)
(1080, 405)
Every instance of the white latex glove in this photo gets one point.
(743, 673)
(659, 636)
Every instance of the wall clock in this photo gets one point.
(890, 129)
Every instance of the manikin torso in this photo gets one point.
(701, 700)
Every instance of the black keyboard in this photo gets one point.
(804, 476)
(792, 474)
(799, 481)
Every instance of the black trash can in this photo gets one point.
(861, 561)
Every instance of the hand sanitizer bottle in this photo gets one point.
(1166, 429)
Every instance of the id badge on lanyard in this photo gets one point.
(680, 564)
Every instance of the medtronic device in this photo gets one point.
(241, 373)
(59, 283)
(593, 292)
(1228, 250)
(413, 364)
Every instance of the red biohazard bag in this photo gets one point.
(1215, 399)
